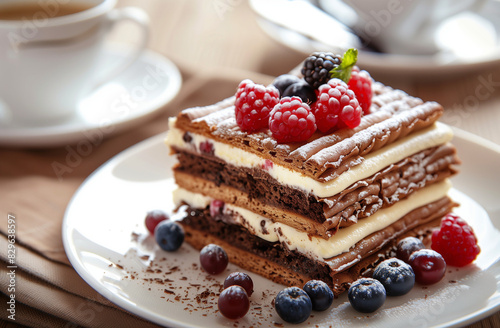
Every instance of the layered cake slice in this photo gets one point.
(330, 207)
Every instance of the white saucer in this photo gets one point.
(128, 100)
(444, 62)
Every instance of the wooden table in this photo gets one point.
(208, 36)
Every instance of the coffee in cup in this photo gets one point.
(50, 51)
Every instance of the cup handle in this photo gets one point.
(141, 19)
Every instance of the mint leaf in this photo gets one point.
(343, 71)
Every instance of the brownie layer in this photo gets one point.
(394, 116)
(276, 262)
(255, 190)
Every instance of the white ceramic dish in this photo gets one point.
(383, 63)
(129, 99)
(109, 247)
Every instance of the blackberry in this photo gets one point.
(317, 67)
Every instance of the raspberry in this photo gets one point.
(361, 84)
(455, 241)
(253, 104)
(336, 107)
(291, 120)
(317, 67)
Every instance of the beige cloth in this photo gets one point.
(49, 293)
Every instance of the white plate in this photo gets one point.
(384, 63)
(129, 99)
(109, 247)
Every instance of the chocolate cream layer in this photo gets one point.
(279, 262)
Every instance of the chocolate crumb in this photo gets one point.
(167, 291)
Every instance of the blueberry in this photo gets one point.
(320, 294)
(366, 295)
(284, 81)
(169, 235)
(396, 276)
(293, 305)
(301, 89)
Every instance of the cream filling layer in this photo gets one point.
(432, 136)
(316, 247)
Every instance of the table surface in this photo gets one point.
(206, 36)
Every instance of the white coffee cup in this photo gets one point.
(48, 63)
(405, 26)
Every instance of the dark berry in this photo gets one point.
(284, 81)
(293, 305)
(317, 67)
(292, 121)
(455, 241)
(366, 295)
(187, 137)
(240, 279)
(252, 105)
(213, 259)
(336, 107)
(233, 302)
(407, 246)
(302, 90)
(428, 265)
(320, 294)
(153, 218)
(396, 276)
(361, 84)
(169, 235)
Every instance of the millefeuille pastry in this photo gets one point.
(330, 207)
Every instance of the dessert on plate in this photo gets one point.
(317, 176)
